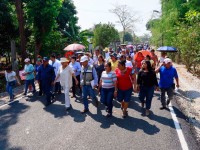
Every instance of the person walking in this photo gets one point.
(107, 87)
(125, 81)
(37, 66)
(89, 81)
(113, 61)
(138, 59)
(146, 84)
(11, 80)
(29, 73)
(56, 65)
(99, 66)
(65, 73)
(154, 57)
(76, 67)
(46, 74)
(166, 84)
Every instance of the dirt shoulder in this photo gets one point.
(188, 97)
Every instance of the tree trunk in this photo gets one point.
(123, 36)
(20, 17)
(38, 46)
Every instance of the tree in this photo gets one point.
(126, 19)
(104, 34)
(67, 21)
(128, 37)
(42, 16)
(8, 29)
(20, 17)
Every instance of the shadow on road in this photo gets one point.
(8, 117)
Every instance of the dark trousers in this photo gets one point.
(170, 94)
(40, 88)
(74, 85)
(47, 89)
(107, 96)
(146, 92)
(27, 83)
(57, 87)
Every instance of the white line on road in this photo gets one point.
(17, 99)
(178, 129)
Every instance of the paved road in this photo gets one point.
(31, 125)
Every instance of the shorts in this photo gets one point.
(124, 95)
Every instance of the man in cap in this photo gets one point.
(29, 73)
(47, 75)
(166, 84)
(65, 73)
(56, 65)
(89, 81)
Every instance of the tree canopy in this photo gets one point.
(104, 34)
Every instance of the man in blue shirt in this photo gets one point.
(88, 81)
(47, 75)
(166, 84)
(77, 70)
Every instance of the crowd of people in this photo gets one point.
(115, 75)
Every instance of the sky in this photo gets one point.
(92, 12)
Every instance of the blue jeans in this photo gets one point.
(87, 90)
(9, 89)
(107, 96)
(27, 83)
(146, 92)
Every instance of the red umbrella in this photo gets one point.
(68, 54)
(144, 53)
(74, 47)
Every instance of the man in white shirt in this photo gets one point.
(56, 65)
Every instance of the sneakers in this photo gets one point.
(84, 111)
(147, 113)
(168, 101)
(109, 115)
(163, 107)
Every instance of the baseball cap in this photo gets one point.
(114, 55)
(45, 59)
(167, 60)
(27, 60)
(84, 58)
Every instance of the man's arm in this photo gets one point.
(95, 76)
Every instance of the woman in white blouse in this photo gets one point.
(65, 73)
(11, 80)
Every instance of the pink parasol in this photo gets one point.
(74, 47)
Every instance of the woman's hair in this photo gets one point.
(148, 57)
(101, 58)
(122, 62)
(149, 67)
(8, 68)
(109, 64)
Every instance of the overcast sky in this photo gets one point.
(92, 12)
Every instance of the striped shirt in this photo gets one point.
(108, 79)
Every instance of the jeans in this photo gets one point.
(146, 92)
(170, 94)
(87, 90)
(9, 89)
(27, 83)
(107, 96)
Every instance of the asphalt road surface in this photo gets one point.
(30, 125)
